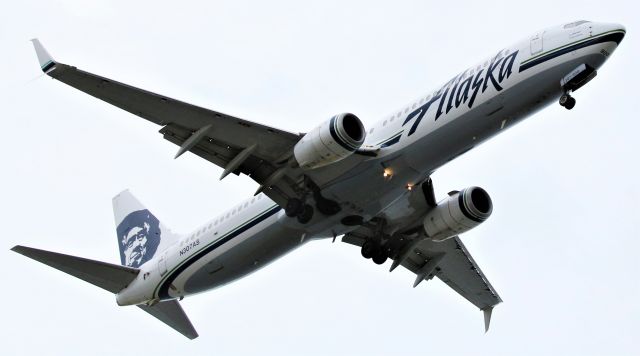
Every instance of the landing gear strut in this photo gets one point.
(299, 208)
(567, 101)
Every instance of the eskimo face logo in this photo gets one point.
(139, 237)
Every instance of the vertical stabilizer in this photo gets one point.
(140, 234)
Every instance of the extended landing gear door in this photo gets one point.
(162, 265)
(536, 43)
(578, 77)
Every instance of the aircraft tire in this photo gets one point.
(306, 214)
(367, 250)
(380, 257)
(571, 102)
(294, 207)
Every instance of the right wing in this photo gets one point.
(237, 145)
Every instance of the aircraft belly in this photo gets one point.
(251, 252)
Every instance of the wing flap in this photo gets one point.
(104, 275)
(172, 314)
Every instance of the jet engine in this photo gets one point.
(333, 140)
(458, 213)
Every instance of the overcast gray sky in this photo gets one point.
(561, 247)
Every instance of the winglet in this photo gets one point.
(46, 61)
(487, 318)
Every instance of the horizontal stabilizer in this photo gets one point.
(171, 313)
(104, 275)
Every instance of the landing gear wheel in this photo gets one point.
(368, 249)
(306, 214)
(294, 207)
(570, 103)
(380, 257)
(567, 101)
(327, 207)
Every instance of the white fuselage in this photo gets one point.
(413, 142)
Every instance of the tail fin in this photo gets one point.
(140, 233)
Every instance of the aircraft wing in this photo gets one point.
(237, 145)
(448, 260)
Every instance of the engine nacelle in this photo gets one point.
(458, 213)
(330, 142)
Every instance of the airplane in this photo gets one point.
(372, 187)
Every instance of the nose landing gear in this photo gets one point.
(567, 101)
(573, 81)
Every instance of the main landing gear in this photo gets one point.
(567, 101)
(297, 208)
(377, 247)
(376, 251)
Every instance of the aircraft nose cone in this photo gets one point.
(617, 30)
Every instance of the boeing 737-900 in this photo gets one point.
(370, 186)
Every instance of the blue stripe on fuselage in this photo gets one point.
(163, 292)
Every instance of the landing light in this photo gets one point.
(409, 186)
(387, 173)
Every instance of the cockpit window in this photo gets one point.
(575, 24)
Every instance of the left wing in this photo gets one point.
(237, 145)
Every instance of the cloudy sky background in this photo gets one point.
(561, 247)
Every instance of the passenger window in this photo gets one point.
(406, 110)
(227, 216)
(414, 106)
(384, 123)
(246, 205)
(371, 131)
(391, 119)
